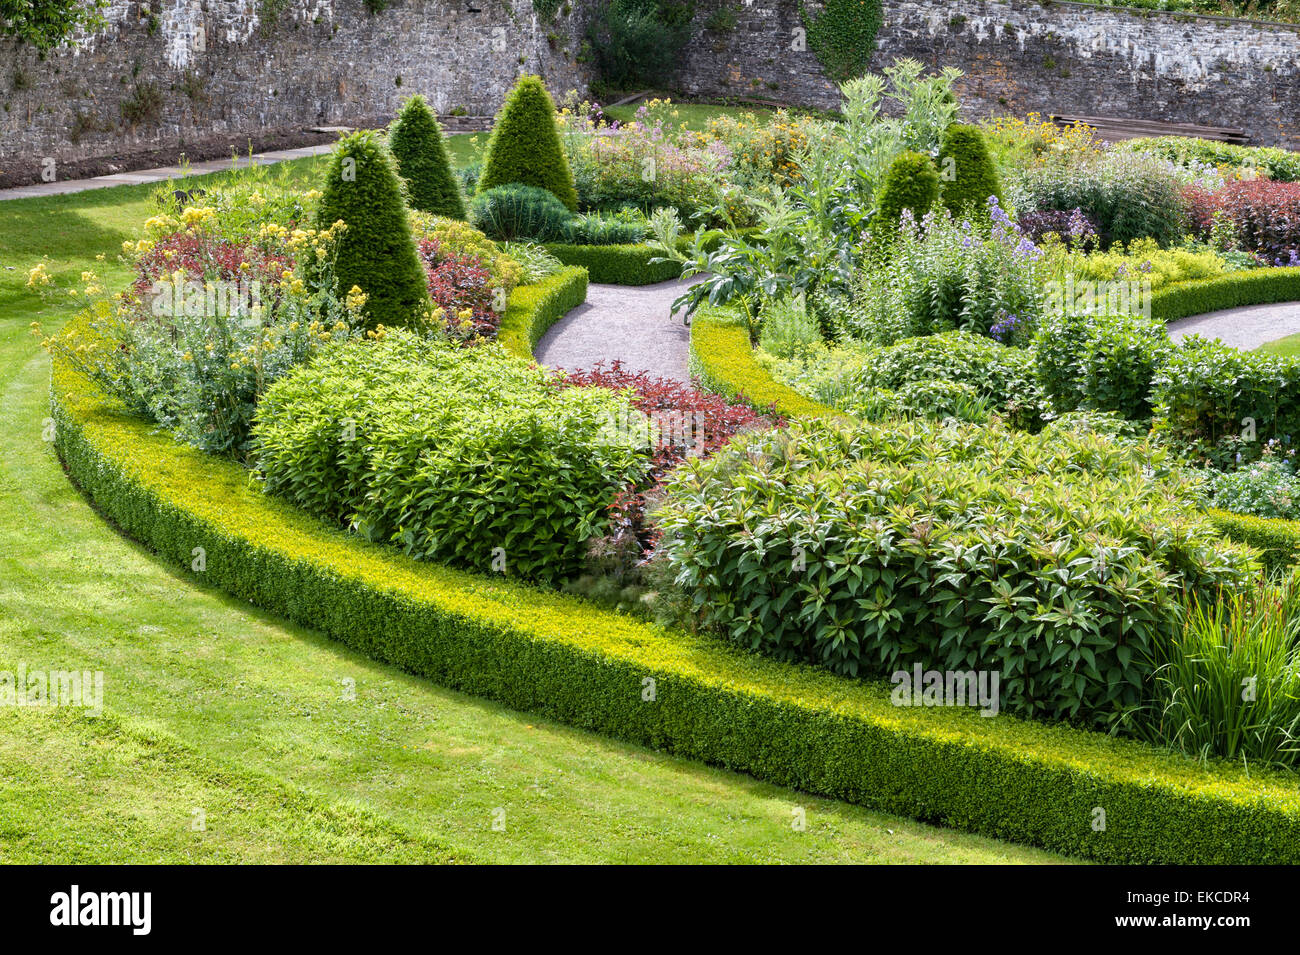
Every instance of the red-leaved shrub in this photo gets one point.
(688, 422)
(1265, 216)
(461, 286)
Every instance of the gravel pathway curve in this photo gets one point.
(1246, 327)
(634, 324)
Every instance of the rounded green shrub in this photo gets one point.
(376, 251)
(1058, 560)
(418, 146)
(466, 456)
(912, 183)
(525, 145)
(968, 174)
(517, 211)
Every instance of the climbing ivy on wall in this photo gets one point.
(47, 23)
(843, 35)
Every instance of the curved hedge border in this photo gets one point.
(1276, 539)
(1254, 287)
(532, 309)
(722, 358)
(557, 656)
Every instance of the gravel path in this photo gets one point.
(1247, 327)
(633, 324)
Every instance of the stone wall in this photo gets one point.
(165, 73)
(1027, 55)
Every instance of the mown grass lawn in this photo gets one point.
(217, 712)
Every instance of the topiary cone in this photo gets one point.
(525, 145)
(968, 174)
(417, 144)
(376, 252)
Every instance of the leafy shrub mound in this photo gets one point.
(597, 229)
(525, 146)
(517, 211)
(1279, 164)
(1000, 377)
(421, 153)
(1057, 560)
(452, 235)
(470, 457)
(1268, 487)
(376, 251)
(974, 177)
(1265, 218)
(1100, 362)
(1210, 394)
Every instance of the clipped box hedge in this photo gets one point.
(1277, 540)
(556, 656)
(617, 264)
(1254, 287)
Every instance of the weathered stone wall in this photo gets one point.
(1027, 55)
(167, 72)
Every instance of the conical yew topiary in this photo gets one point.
(376, 251)
(421, 153)
(525, 145)
(968, 174)
(912, 182)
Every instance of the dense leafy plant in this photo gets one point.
(1227, 402)
(1100, 361)
(1268, 487)
(46, 24)
(469, 457)
(912, 184)
(643, 163)
(211, 319)
(525, 146)
(517, 211)
(453, 235)
(843, 35)
(466, 304)
(1055, 559)
(376, 252)
(1074, 230)
(535, 263)
(1142, 263)
(1129, 195)
(1282, 165)
(1265, 218)
(637, 42)
(1229, 678)
(941, 275)
(421, 152)
(969, 175)
(625, 228)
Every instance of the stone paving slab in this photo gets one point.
(632, 324)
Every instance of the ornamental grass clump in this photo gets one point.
(468, 457)
(1059, 560)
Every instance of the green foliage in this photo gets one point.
(525, 146)
(466, 456)
(1100, 362)
(1277, 541)
(625, 228)
(376, 251)
(516, 211)
(637, 42)
(911, 183)
(46, 24)
(789, 329)
(619, 264)
(532, 309)
(1282, 165)
(1268, 487)
(1206, 392)
(1256, 287)
(547, 654)
(969, 175)
(535, 263)
(1051, 559)
(1229, 679)
(418, 146)
(843, 36)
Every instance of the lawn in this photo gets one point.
(215, 712)
(1288, 347)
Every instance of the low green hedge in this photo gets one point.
(532, 309)
(1278, 540)
(559, 657)
(722, 358)
(1253, 287)
(630, 264)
